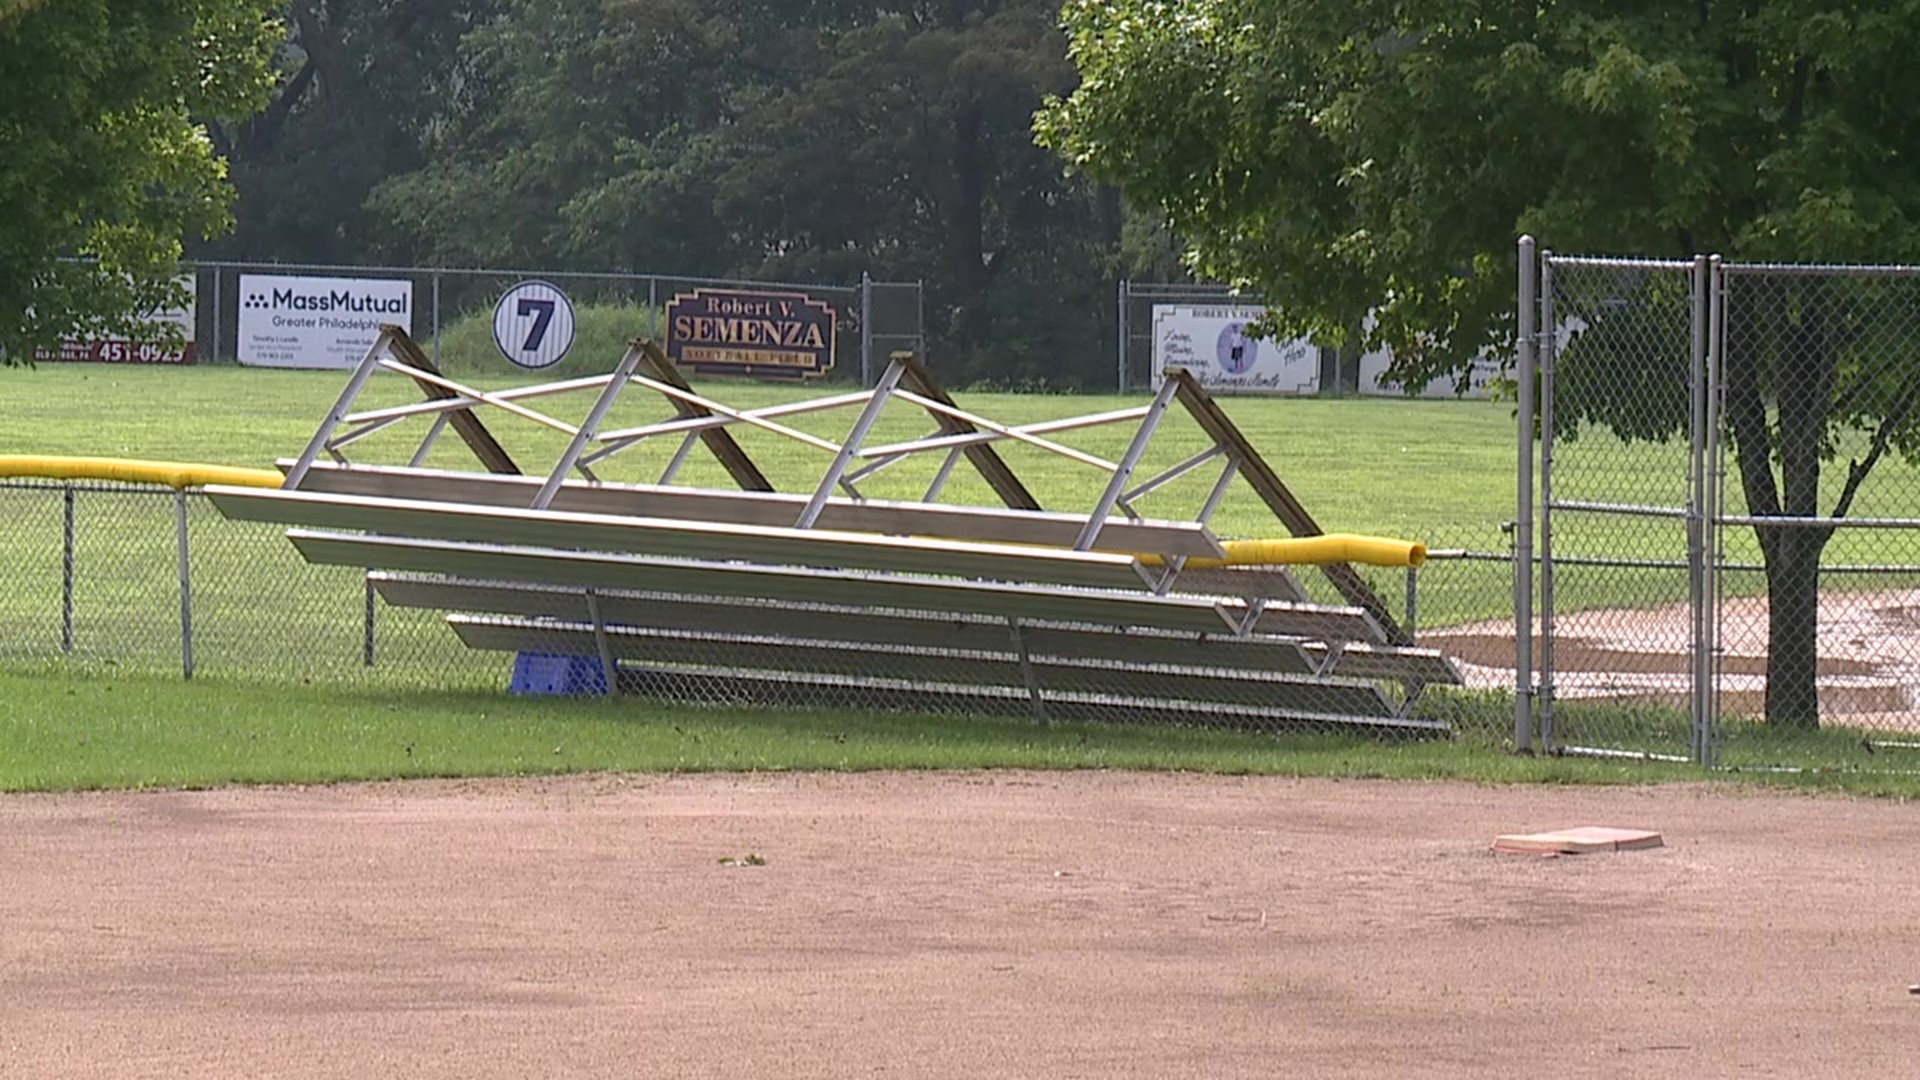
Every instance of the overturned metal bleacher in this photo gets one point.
(755, 596)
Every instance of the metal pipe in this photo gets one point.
(1786, 522)
(844, 455)
(426, 444)
(1523, 503)
(1123, 471)
(584, 434)
(1697, 510)
(66, 573)
(1413, 603)
(679, 458)
(340, 408)
(186, 584)
(1036, 701)
(940, 477)
(1622, 509)
(866, 328)
(608, 669)
(1172, 474)
(1219, 492)
(1709, 645)
(1548, 348)
(366, 645)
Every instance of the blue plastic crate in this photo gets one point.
(549, 674)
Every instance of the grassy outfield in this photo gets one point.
(1435, 471)
(65, 732)
(1395, 467)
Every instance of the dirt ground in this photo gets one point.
(1869, 667)
(952, 925)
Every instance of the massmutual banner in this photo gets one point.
(317, 322)
(764, 335)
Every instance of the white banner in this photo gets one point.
(1213, 344)
(1373, 368)
(317, 322)
(139, 348)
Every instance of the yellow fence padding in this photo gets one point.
(1311, 551)
(171, 474)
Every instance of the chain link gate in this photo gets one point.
(1619, 352)
(1818, 541)
(1728, 557)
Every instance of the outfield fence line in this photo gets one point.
(139, 578)
(874, 317)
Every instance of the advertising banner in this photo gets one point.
(767, 335)
(138, 348)
(1213, 344)
(533, 325)
(1480, 378)
(317, 322)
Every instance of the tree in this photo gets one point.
(105, 168)
(1347, 157)
(360, 86)
(798, 141)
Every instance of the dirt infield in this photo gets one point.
(1869, 665)
(952, 925)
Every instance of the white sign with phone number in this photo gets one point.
(139, 349)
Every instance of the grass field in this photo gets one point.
(1392, 467)
(1440, 472)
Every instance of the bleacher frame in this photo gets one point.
(741, 592)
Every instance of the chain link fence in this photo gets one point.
(1728, 549)
(138, 579)
(452, 312)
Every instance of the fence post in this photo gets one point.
(66, 575)
(1547, 347)
(186, 585)
(436, 318)
(366, 650)
(866, 329)
(1523, 503)
(1120, 339)
(215, 357)
(1709, 339)
(1413, 603)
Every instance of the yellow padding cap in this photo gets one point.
(1312, 551)
(171, 474)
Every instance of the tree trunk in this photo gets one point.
(1793, 625)
(1804, 363)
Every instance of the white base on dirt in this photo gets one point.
(1577, 841)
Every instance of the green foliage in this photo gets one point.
(106, 168)
(799, 142)
(1342, 158)
(360, 87)
(1346, 160)
(600, 336)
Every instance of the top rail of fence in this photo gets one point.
(1821, 269)
(576, 275)
(1617, 262)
